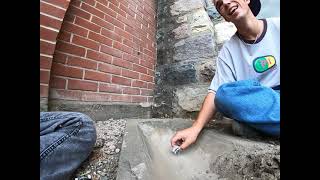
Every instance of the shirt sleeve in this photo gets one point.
(222, 75)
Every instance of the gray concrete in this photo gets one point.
(100, 111)
(146, 151)
(43, 104)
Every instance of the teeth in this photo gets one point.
(233, 9)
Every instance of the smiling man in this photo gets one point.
(246, 85)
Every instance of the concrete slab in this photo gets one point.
(146, 152)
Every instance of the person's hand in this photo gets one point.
(185, 138)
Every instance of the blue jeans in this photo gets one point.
(66, 140)
(249, 102)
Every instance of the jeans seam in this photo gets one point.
(55, 116)
(53, 146)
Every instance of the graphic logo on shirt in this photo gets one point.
(263, 63)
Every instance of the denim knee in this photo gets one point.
(88, 125)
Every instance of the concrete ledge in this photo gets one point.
(100, 111)
(43, 104)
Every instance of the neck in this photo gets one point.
(249, 28)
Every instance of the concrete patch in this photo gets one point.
(147, 152)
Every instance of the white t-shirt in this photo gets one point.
(241, 61)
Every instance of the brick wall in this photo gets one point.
(105, 50)
(52, 13)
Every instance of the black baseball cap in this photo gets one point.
(255, 6)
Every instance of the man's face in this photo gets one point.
(232, 10)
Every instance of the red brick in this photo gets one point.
(137, 54)
(130, 44)
(151, 85)
(110, 88)
(146, 51)
(80, 62)
(48, 34)
(146, 64)
(50, 22)
(46, 48)
(121, 80)
(106, 10)
(99, 38)
(119, 11)
(150, 72)
(117, 45)
(62, 70)
(79, 12)
(146, 92)
(82, 85)
(137, 83)
(131, 74)
(60, 57)
(45, 62)
(43, 91)
(70, 48)
(130, 58)
(64, 36)
(87, 24)
(102, 23)
(124, 3)
(57, 82)
(139, 19)
(146, 78)
(51, 10)
(114, 2)
(121, 63)
(109, 69)
(61, 3)
(99, 56)
(126, 49)
(114, 21)
(97, 76)
(111, 51)
(124, 8)
(85, 42)
(137, 41)
(126, 21)
(44, 76)
(139, 99)
(91, 2)
(149, 10)
(130, 30)
(104, 2)
(111, 35)
(92, 10)
(76, 3)
(75, 29)
(121, 98)
(127, 90)
(139, 69)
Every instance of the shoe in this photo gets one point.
(243, 130)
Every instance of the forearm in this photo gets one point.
(206, 112)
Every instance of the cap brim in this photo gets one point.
(255, 6)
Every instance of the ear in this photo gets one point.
(247, 1)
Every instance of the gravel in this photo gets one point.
(103, 161)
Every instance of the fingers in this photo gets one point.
(186, 143)
(174, 139)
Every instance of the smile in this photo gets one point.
(232, 10)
